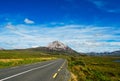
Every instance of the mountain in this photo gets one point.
(117, 53)
(114, 53)
(59, 46)
(2, 48)
(55, 47)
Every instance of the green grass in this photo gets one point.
(89, 68)
(15, 58)
(21, 54)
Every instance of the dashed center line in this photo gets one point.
(54, 76)
(59, 69)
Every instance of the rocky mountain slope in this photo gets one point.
(55, 47)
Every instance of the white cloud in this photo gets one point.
(56, 23)
(10, 26)
(113, 10)
(28, 21)
(99, 3)
(35, 46)
(103, 5)
(80, 37)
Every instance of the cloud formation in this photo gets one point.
(28, 21)
(107, 5)
(79, 37)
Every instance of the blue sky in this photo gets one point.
(84, 25)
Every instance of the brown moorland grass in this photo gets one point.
(93, 68)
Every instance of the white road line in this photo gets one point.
(25, 72)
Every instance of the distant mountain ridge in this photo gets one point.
(2, 49)
(114, 53)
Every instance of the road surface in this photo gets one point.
(54, 70)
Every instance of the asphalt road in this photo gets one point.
(44, 71)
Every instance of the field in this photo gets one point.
(15, 58)
(89, 68)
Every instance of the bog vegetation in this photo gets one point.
(94, 68)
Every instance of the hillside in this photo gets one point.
(54, 48)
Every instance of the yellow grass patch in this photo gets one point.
(9, 60)
(73, 77)
(41, 58)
